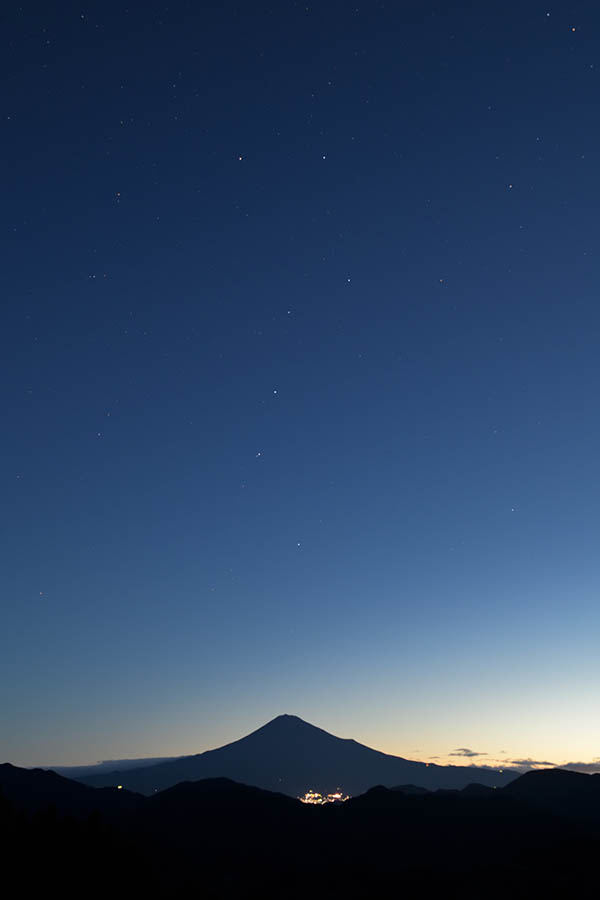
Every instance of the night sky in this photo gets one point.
(300, 394)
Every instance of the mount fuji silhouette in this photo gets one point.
(291, 756)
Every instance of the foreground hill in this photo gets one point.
(33, 790)
(220, 839)
(292, 756)
(563, 792)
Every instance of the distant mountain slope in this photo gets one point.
(292, 756)
(34, 790)
(108, 765)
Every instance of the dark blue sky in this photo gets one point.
(300, 395)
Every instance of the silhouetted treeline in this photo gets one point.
(216, 838)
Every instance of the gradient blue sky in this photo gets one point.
(301, 343)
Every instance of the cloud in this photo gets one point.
(530, 762)
(521, 764)
(590, 768)
(466, 751)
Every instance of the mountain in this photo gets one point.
(220, 839)
(560, 791)
(36, 790)
(108, 765)
(58, 834)
(291, 756)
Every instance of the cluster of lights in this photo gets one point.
(319, 799)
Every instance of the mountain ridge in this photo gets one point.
(291, 756)
(225, 837)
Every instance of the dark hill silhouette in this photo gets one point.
(562, 791)
(410, 789)
(219, 838)
(218, 799)
(477, 790)
(292, 756)
(224, 815)
(58, 836)
(35, 790)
